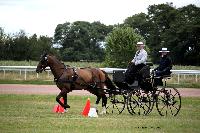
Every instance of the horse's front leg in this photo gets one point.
(63, 94)
(65, 102)
(104, 102)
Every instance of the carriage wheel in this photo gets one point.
(138, 102)
(153, 98)
(168, 101)
(116, 104)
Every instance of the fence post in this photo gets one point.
(48, 73)
(178, 78)
(4, 73)
(196, 78)
(25, 74)
(37, 75)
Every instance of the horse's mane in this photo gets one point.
(58, 60)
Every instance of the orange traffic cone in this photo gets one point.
(86, 108)
(58, 108)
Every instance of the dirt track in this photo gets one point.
(53, 90)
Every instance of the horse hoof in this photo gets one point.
(66, 110)
(102, 112)
(67, 106)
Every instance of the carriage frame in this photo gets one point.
(139, 101)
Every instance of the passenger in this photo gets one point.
(165, 65)
(136, 64)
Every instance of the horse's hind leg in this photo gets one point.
(97, 102)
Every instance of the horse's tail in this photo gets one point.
(109, 84)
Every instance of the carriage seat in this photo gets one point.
(159, 80)
(119, 75)
(163, 77)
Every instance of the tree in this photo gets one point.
(183, 37)
(160, 18)
(120, 46)
(3, 40)
(81, 40)
(140, 23)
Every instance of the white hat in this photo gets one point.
(164, 50)
(140, 43)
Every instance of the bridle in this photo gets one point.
(44, 63)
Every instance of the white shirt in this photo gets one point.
(140, 58)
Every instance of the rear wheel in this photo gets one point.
(153, 96)
(138, 102)
(168, 101)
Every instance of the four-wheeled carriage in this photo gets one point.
(141, 96)
(133, 96)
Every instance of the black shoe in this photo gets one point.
(67, 106)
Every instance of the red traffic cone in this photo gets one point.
(86, 108)
(58, 108)
(61, 109)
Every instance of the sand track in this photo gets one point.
(53, 90)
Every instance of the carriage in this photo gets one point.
(140, 98)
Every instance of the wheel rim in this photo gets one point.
(116, 104)
(138, 103)
(168, 102)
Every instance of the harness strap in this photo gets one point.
(72, 80)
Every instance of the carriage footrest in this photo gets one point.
(134, 84)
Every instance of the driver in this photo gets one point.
(165, 65)
(136, 64)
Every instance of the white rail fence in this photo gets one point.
(25, 69)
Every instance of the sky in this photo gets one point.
(42, 16)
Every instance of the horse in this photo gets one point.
(67, 78)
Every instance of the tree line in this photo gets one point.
(164, 25)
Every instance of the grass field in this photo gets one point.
(33, 113)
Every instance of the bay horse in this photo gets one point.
(94, 80)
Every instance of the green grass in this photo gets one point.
(33, 113)
(35, 63)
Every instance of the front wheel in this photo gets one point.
(116, 104)
(168, 101)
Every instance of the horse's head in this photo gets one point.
(43, 63)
